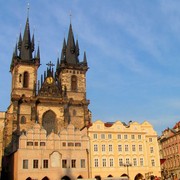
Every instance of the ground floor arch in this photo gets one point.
(65, 178)
(139, 176)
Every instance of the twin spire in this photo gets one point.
(24, 49)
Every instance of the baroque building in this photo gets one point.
(121, 150)
(169, 143)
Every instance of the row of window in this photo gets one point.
(45, 163)
(120, 136)
(120, 148)
(110, 162)
(64, 144)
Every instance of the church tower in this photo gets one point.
(56, 100)
(23, 68)
(71, 73)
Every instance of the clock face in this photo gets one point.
(49, 80)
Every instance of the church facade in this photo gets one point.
(47, 132)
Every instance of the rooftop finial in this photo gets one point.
(28, 6)
(70, 16)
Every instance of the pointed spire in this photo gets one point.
(77, 48)
(38, 53)
(20, 41)
(32, 43)
(64, 46)
(57, 64)
(26, 47)
(85, 59)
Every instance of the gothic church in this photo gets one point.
(54, 103)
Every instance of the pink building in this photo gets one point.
(57, 156)
(170, 152)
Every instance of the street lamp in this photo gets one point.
(127, 165)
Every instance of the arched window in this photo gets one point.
(25, 79)
(73, 83)
(48, 122)
(23, 120)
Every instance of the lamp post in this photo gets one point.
(127, 165)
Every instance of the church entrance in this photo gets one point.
(48, 122)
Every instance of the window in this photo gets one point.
(23, 120)
(119, 147)
(139, 136)
(125, 136)
(35, 163)
(64, 163)
(140, 147)
(74, 83)
(96, 163)
(77, 144)
(70, 144)
(109, 136)
(26, 79)
(141, 162)
(120, 162)
(73, 163)
(29, 143)
(103, 147)
(151, 149)
(119, 136)
(63, 144)
(132, 136)
(45, 163)
(127, 161)
(111, 162)
(102, 136)
(83, 163)
(104, 162)
(35, 143)
(134, 161)
(95, 136)
(42, 143)
(152, 162)
(126, 148)
(25, 164)
(133, 147)
(95, 147)
(110, 148)
(150, 139)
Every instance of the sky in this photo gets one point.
(132, 48)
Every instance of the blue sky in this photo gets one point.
(133, 51)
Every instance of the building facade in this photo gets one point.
(169, 143)
(118, 150)
(48, 133)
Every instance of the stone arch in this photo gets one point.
(110, 175)
(28, 178)
(124, 175)
(45, 178)
(74, 83)
(49, 121)
(79, 177)
(139, 176)
(25, 79)
(98, 177)
(65, 178)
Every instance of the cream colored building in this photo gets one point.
(56, 156)
(118, 150)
